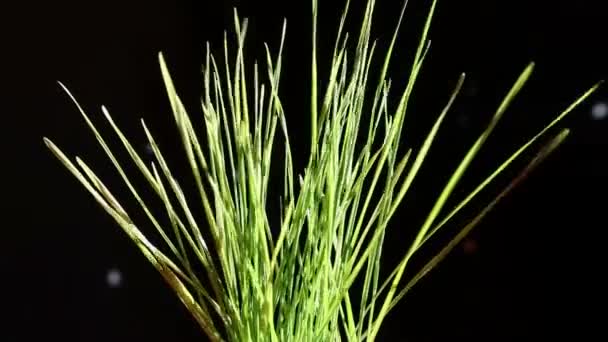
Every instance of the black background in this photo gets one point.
(536, 271)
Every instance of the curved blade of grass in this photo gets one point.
(149, 251)
(546, 150)
(507, 162)
(538, 159)
(454, 179)
(501, 168)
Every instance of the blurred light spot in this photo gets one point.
(148, 149)
(599, 110)
(114, 278)
(469, 246)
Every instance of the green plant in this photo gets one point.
(294, 287)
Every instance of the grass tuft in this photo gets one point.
(334, 215)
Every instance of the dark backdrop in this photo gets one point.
(532, 268)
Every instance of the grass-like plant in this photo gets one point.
(240, 281)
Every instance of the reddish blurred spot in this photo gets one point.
(469, 246)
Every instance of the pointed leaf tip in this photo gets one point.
(47, 141)
(63, 87)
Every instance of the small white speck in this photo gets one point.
(114, 278)
(599, 111)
